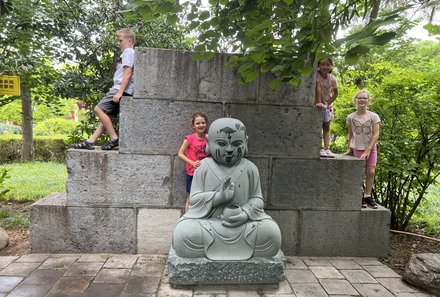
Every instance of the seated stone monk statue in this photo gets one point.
(226, 220)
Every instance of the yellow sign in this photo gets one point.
(9, 85)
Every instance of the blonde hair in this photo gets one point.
(126, 33)
(363, 91)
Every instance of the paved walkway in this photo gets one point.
(96, 275)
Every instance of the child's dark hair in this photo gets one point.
(326, 59)
(198, 114)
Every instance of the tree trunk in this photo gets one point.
(375, 10)
(27, 146)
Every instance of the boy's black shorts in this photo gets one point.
(109, 106)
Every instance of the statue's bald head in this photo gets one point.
(227, 141)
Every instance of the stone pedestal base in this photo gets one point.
(192, 271)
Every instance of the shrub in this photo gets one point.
(9, 129)
(55, 126)
(46, 149)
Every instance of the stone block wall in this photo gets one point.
(315, 201)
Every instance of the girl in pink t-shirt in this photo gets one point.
(193, 149)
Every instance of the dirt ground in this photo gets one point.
(401, 246)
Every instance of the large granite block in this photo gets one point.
(273, 131)
(154, 230)
(56, 227)
(174, 75)
(179, 183)
(361, 233)
(320, 183)
(304, 95)
(159, 126)
(107, 178)
(190, 271)
(289, 223)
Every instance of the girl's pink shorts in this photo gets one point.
(371, 160)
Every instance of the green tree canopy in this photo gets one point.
(284, 37)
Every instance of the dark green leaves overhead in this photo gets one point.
(284, 37)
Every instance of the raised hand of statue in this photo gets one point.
(226, 193)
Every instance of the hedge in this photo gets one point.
(46, 149)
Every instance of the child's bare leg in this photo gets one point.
(106, 122)
(369, 179)
(186, 202)
(326, 134)
(98, 132)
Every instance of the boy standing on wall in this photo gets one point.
(122, 86)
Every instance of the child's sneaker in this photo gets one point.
(364, 203)
(370, 202)
(322, 153)
(329, 153)
(110, 145)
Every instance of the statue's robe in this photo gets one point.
(200, 231)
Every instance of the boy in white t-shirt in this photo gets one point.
(123, 85)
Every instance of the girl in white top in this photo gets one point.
(326, 93)
(363, 133)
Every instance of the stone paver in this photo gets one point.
(372, 290)
(326, 272)
(58, 262)
(344, 264)
(19, 269)
(300, 276)
(8, 283)
(32, 258)
(6, 260)
(108, 275)
(43, 277)
(358, 276)
(84, 269)
(72, 284)
(121, 261)
(381, 271)
(29, 291)
(116, 276)
(337, 286)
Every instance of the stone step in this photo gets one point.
(110, 178)
(58, 227)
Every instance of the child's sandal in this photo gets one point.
(110, 145)
(85, 145)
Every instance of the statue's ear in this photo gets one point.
(207, 146)
(246, 146)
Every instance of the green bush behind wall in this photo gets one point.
(46, 149)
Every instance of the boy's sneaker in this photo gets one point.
(110, 145)
(329, 153)
(370, 202)
(364, 203)
(322, 153)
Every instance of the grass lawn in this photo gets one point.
(32, 181)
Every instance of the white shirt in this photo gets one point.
(127, 58)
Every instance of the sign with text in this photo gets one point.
(9, 85)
